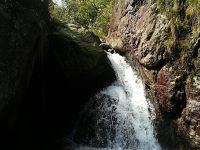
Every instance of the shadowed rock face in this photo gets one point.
(85, 70)
(23, 34)
(162, 38)
(46, 76)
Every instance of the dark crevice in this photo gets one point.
(156, 65)
(150, 35)
(193, 54)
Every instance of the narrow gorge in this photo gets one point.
(100, 74)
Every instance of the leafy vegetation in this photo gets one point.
(91, 14)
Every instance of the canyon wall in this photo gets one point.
(46, 75)
(162, 38)
(23, 37)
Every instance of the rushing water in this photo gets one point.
(122, 114)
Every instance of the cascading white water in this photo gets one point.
(124, 120)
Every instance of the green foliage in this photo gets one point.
(57, 12)
(90, 14)
(81, 12)
(167, 7)
(193, 7)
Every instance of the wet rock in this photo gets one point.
(105, 46)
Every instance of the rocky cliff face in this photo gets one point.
(23, 32)
(23, 35)
(163, 39)
(47, 73)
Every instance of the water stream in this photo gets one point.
(121, 116)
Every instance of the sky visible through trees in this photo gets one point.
(93, 15)
(58, 2)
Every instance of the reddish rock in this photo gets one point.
(162, 91)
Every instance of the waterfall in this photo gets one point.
(122, 119)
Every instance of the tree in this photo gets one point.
(90, 14)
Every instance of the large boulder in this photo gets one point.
(75, 53)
